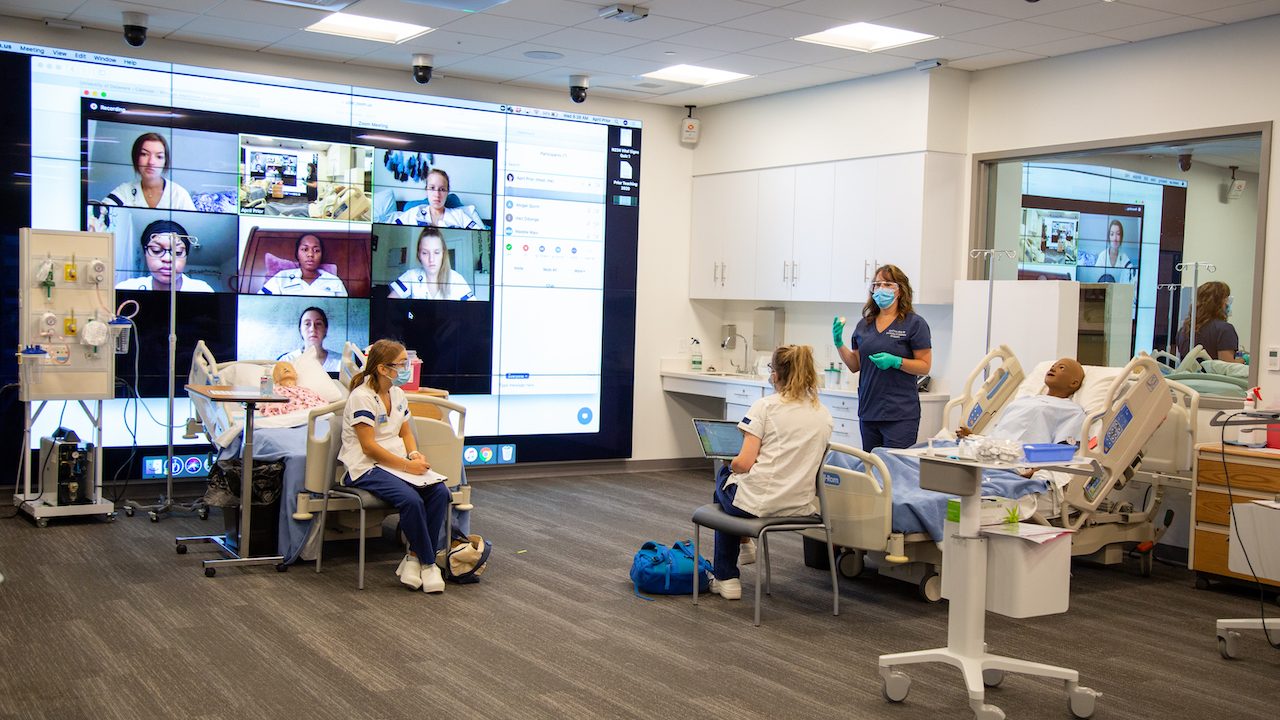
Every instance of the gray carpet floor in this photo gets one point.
(106, 621)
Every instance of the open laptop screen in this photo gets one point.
(721, 439)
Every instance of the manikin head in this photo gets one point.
(1064, 377)
(284, 374)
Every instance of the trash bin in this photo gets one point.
(1026, 578)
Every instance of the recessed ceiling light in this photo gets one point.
(543, 55)
(866, 37)
(694, 75)
(367, 28)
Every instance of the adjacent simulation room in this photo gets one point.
(557, 358)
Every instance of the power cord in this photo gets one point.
(1231, 505)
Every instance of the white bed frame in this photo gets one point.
(1157, 447)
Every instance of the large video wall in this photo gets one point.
(497, 241)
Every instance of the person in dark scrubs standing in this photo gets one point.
(891, 346)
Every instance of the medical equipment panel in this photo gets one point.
(66, 469)
(65, 334)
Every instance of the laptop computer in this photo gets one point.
(721, 439)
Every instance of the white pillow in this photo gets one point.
(1092, 392)
(243, 374)
(311, 375)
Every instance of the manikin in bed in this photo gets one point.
(285, 377)
(1049, 418)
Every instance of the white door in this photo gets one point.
(853, 231)
(899, 193)
(811, 245)
(707, 227)
(775, 222)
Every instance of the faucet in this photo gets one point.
(746, 351)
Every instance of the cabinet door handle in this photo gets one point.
(795, 272)
(866, 270)
(784, 272)
(724, 273)
(715, 273)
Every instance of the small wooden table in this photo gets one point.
(240, 553)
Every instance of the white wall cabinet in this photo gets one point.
(821, 230)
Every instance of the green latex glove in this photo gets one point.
(837, 331)
(884, 361)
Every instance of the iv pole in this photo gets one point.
(992, 255)
(166, 504)
(1168, 336)
(1195, 284)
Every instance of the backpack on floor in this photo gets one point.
(661, 570)
(466, 559)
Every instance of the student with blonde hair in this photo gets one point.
(377, 439)
(784, 437)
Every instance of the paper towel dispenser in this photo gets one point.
(768, 324)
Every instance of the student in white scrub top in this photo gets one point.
(1111, 256)
(165, 250)
(151, 190)
(784, 437)
(434, 213)
(313, 325)
(308, 278)
(433, 279)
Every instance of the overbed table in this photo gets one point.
(237, 553)
(966, 562)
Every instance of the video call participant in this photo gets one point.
(308, 278)
(891, 345)
(164, 247)
(1112, 256)
(1217, 336)
(150, 156)
(434, 213)
(313, 326)
(377, 437)
(433, 279)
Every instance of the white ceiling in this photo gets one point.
(746, 36)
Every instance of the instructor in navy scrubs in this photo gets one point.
(891, 346)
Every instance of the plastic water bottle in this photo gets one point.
(265, 386)
(695, 355)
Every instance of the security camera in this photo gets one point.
(1184, 162)
(135, 28)
(578, 87)
(422, 68)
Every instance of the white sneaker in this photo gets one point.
(410, 572)
(432, 580)
(747, 553)
(730, 589)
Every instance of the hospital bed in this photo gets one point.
(1206, 375)
(1144, 428)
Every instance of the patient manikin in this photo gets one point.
(1049, 418)
(285, 376)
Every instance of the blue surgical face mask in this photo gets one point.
(883, 298)
(404, 375)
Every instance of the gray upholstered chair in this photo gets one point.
(711, 516)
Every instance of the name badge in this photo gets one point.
(382, 419)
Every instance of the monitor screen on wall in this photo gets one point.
(497, 241)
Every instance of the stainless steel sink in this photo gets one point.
(722, 373)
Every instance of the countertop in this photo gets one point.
(736, 379)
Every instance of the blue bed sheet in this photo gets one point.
(918, 510)
(290, 445)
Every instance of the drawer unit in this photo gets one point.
(1253, 475)
(840, 406)
(846, 432)
(742, 394)
(735, 412)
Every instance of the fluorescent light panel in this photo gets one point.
(367, 28)
(694, 75)
(866, 37)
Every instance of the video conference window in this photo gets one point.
(1085, 241)
(428, 263)
(150, 166)
(154, 248)
(282, 256)
(273, 328)
(288, 177)
(423, 188)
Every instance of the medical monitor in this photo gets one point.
(498, 241)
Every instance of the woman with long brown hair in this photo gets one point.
(891, 346)
(1217, 336)
(378, 450)
(784, 436)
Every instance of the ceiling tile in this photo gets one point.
(852, 11)
(752, 64)
(588, 40)
(783, 23)
(940, 20)
(1079, 43)
(1101, 17)
(800, 52)
(711, 12)
(106, 12)
(870, 63)
(444, 39)
(1172, 26)
(650, 28)
(268, 13)
(197, 7)
(562, 12)
(1186, 7)
(1017, 10)
(945, 48)
(724, 39)
(680, 54)
(399, 56)
(409, 12)
(314, 52)
(1240, 13)
(226, 28)
(810, 75)
(328, 45)
(500, 27)
(558, 78)
(1014, 35)
(493, 69)
(1004, 57)
(618, 65)
(227, 41)
(38, 9)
